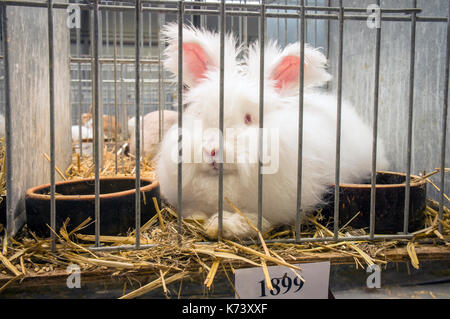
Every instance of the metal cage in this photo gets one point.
(300, 11)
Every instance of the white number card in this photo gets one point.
(251, 282)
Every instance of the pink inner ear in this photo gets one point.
(287, 72)
(196, 59)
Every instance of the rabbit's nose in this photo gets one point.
(210, 151)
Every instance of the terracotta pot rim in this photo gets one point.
(31, 193)
(416, 181)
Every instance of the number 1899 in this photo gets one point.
(284, 283)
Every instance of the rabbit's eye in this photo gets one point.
(247, 118)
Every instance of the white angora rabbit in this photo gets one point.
(201, 151)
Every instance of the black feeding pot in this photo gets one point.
(75, 200)
(389, 203)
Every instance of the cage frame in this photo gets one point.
(222, 9)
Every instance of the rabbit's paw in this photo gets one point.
(234, 226)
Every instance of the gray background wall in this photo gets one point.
(29, 83)
(358, 81)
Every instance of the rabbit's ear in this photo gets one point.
(282, 67)
(201, 50)
(196, 62)
(286, 70)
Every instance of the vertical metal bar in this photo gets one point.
(338, 121)
(150, 68)
(240, 24)
(315, 26)
(80, 95)
(375, 130)
(444, 125)
(51, 75)
(123, 94)
(96, 115)
(202, 18)
(161, 21)
(91, 51)
(232, 22)
(150, 51)
(8, 137)
(138, 124)
(142, 85)
(100, 127)
(95, 88)
(262, 32)
(297, 25)
(108, 110)
(245, 35)
(107, 32)
(150, 42)
(298, 220)
(328, 33)
(306, 26)
(161, 97)
(328, 85)
(205, 18)
(410, 119)
(285, 25)
(180, 115)
(116, 114)
(221, 114)
(278, 27)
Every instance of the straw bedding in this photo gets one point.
(170, 261)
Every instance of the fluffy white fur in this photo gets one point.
(86, 132)
(200, 180)
(151, 131)
(132, 124)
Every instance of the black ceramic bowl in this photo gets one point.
(389, 203)
(75, 200)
